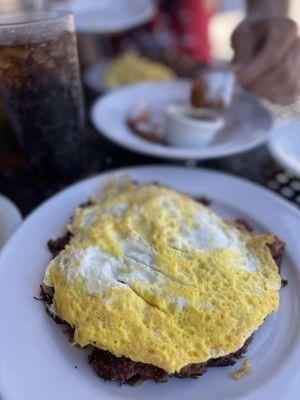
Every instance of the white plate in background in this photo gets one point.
(107, 16)
(36, 358)
(284, 145)
(247, 122)
(93, 76)
(10, 219)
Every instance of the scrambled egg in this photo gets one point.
(245, 370)
(157, 277)
(132, 68)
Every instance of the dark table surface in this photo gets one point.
(27, 191)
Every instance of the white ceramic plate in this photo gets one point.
(93, 76)
(248, 122)
(107, 16)
(10, 219)
(36, 360)
(284, 146)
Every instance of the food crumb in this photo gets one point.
(245, 369)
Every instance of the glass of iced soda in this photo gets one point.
(41, 88)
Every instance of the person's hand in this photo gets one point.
(267, 58)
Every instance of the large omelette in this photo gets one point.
(155, 276)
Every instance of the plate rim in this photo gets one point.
(15, 215)
(158, 151)
(145, 16)
(254, 185)
(273, 147)
(99, 67)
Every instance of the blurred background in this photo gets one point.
(229, 15)
(167, 32)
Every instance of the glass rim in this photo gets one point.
(34, 17)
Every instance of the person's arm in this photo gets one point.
(267, 8)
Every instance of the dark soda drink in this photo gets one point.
(41, 88)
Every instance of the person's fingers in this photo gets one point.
(279, 34)
(282, 83)
(243, 43)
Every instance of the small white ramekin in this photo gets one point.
(188, 127)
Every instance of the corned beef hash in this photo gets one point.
(158, 284)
